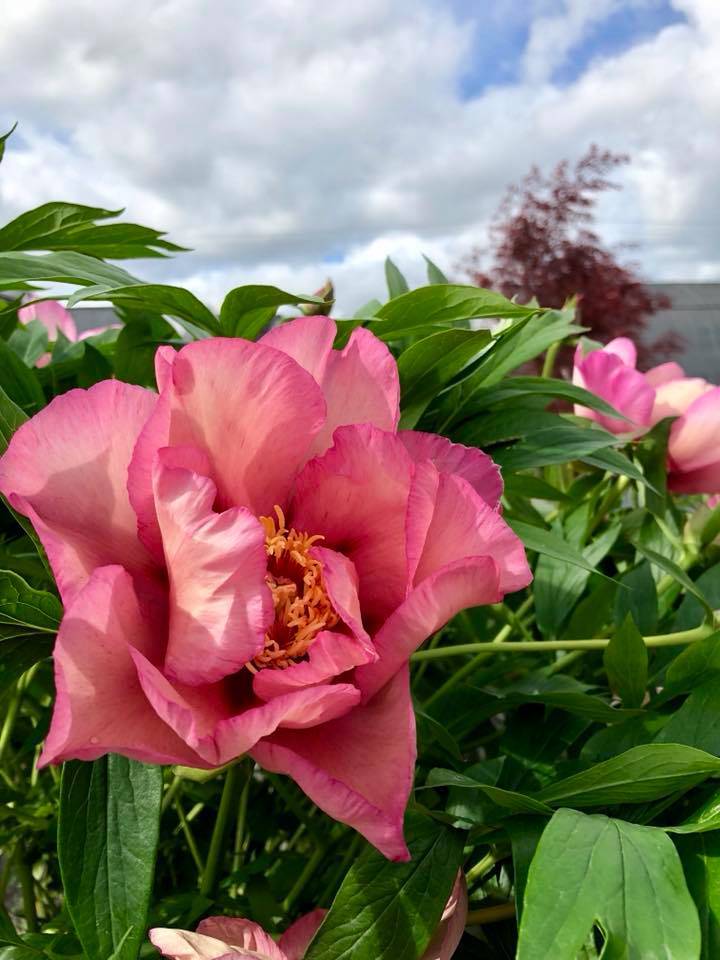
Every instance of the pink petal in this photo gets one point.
(465, 583)
(342, 584)
(664, 373)
(452, 926)
(205, 718)
(52, 315)
(468, 462)
(184, 945)
(359, 768)
(356, 496)
(624, 348)
(66, 469)
(674, 398)
(296, 939)
(219, 601)
(253, 411)
(625, 388)
(695, 436)
(463, 526)
(242, 933)
(360, 383)
(95, 331)
(100, 707)
(705, 480)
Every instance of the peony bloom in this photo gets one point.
(248, 559)
(646, 398)
(229, 938)
(55, 317)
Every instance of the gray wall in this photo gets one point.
(695, 315)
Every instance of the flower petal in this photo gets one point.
(664, 373)
(205, 718)
(220, 606)
(242, 933)
(465, 583)
(695, 436)
(625, 388)
(672, 399)
(52, 315)
(359, 768)
(185, 945)
(296, 939)
(452, 925)
(252, 410)
(480, 471)
(66, 469)
(360, 382)
(356, 496)
(624, 348)
(100, 707)
(705, 480)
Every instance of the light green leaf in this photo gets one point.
(107, 839)
(157, 298)
(11, 416)
(625, 878)
(641, 774)
(396, 282)
(697, 722)
(66, 267)
(434, 273)
(626, 662)
(247, 310)
(389, 911)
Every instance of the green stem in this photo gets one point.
(540, 646)
(10, 717)
(24, 875)
(189, 837)
(217, 841)
(309, 869)
(480, 868)
(241, 818)
(550, 356)
(609, 500)
(170, 793)
(502, 911)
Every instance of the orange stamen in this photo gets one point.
(302, 606)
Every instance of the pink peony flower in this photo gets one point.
(55, 317)
(248, 560)
(646, 398)
(230, 938)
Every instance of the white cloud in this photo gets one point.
(276, 136)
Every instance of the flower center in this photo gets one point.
(302, 606)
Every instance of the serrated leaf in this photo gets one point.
(389, 911)
(626, 662)
(107, 839)
(623, 877)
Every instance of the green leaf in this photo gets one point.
(389, 911)
(107, 838)
(157, 298)
(677, 573)
(705, 818)
(532, 488)
(695, 664)
(66, 267)
(4, 139)
(624, 878)
(638, 599)
(246, 311)
(19, 382)
(516, 387)
(700, 857)
(509, 799)
(615, 462)
(29, 341)
(691, 612)
(525, 833)
(626, 662)
(697, 722)
(561, 443)
(368, 310)
(11, 417)
(19, 653)
(72, 226)
(548, 543)
(396, 282)
(136, 347)
(21, 605)
(429, 364)
(441, 306)
(643, 773)
(434, 273)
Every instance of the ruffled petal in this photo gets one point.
(356, 496)
(358, 769)
(220, 606)
(100, 707)
(252, 410)
(480, 471)
(241, 933)
(625, 388)
(66, 470)
(205, 718)
(296, 939)
(360, 382)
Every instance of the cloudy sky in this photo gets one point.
(289, 140)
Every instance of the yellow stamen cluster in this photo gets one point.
(302, 606)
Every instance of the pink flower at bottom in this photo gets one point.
(647, 398)
(248, 559)
(230, 938)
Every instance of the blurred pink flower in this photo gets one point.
(248, 560)
(230, 938)
(55, 317)
(647, 398)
